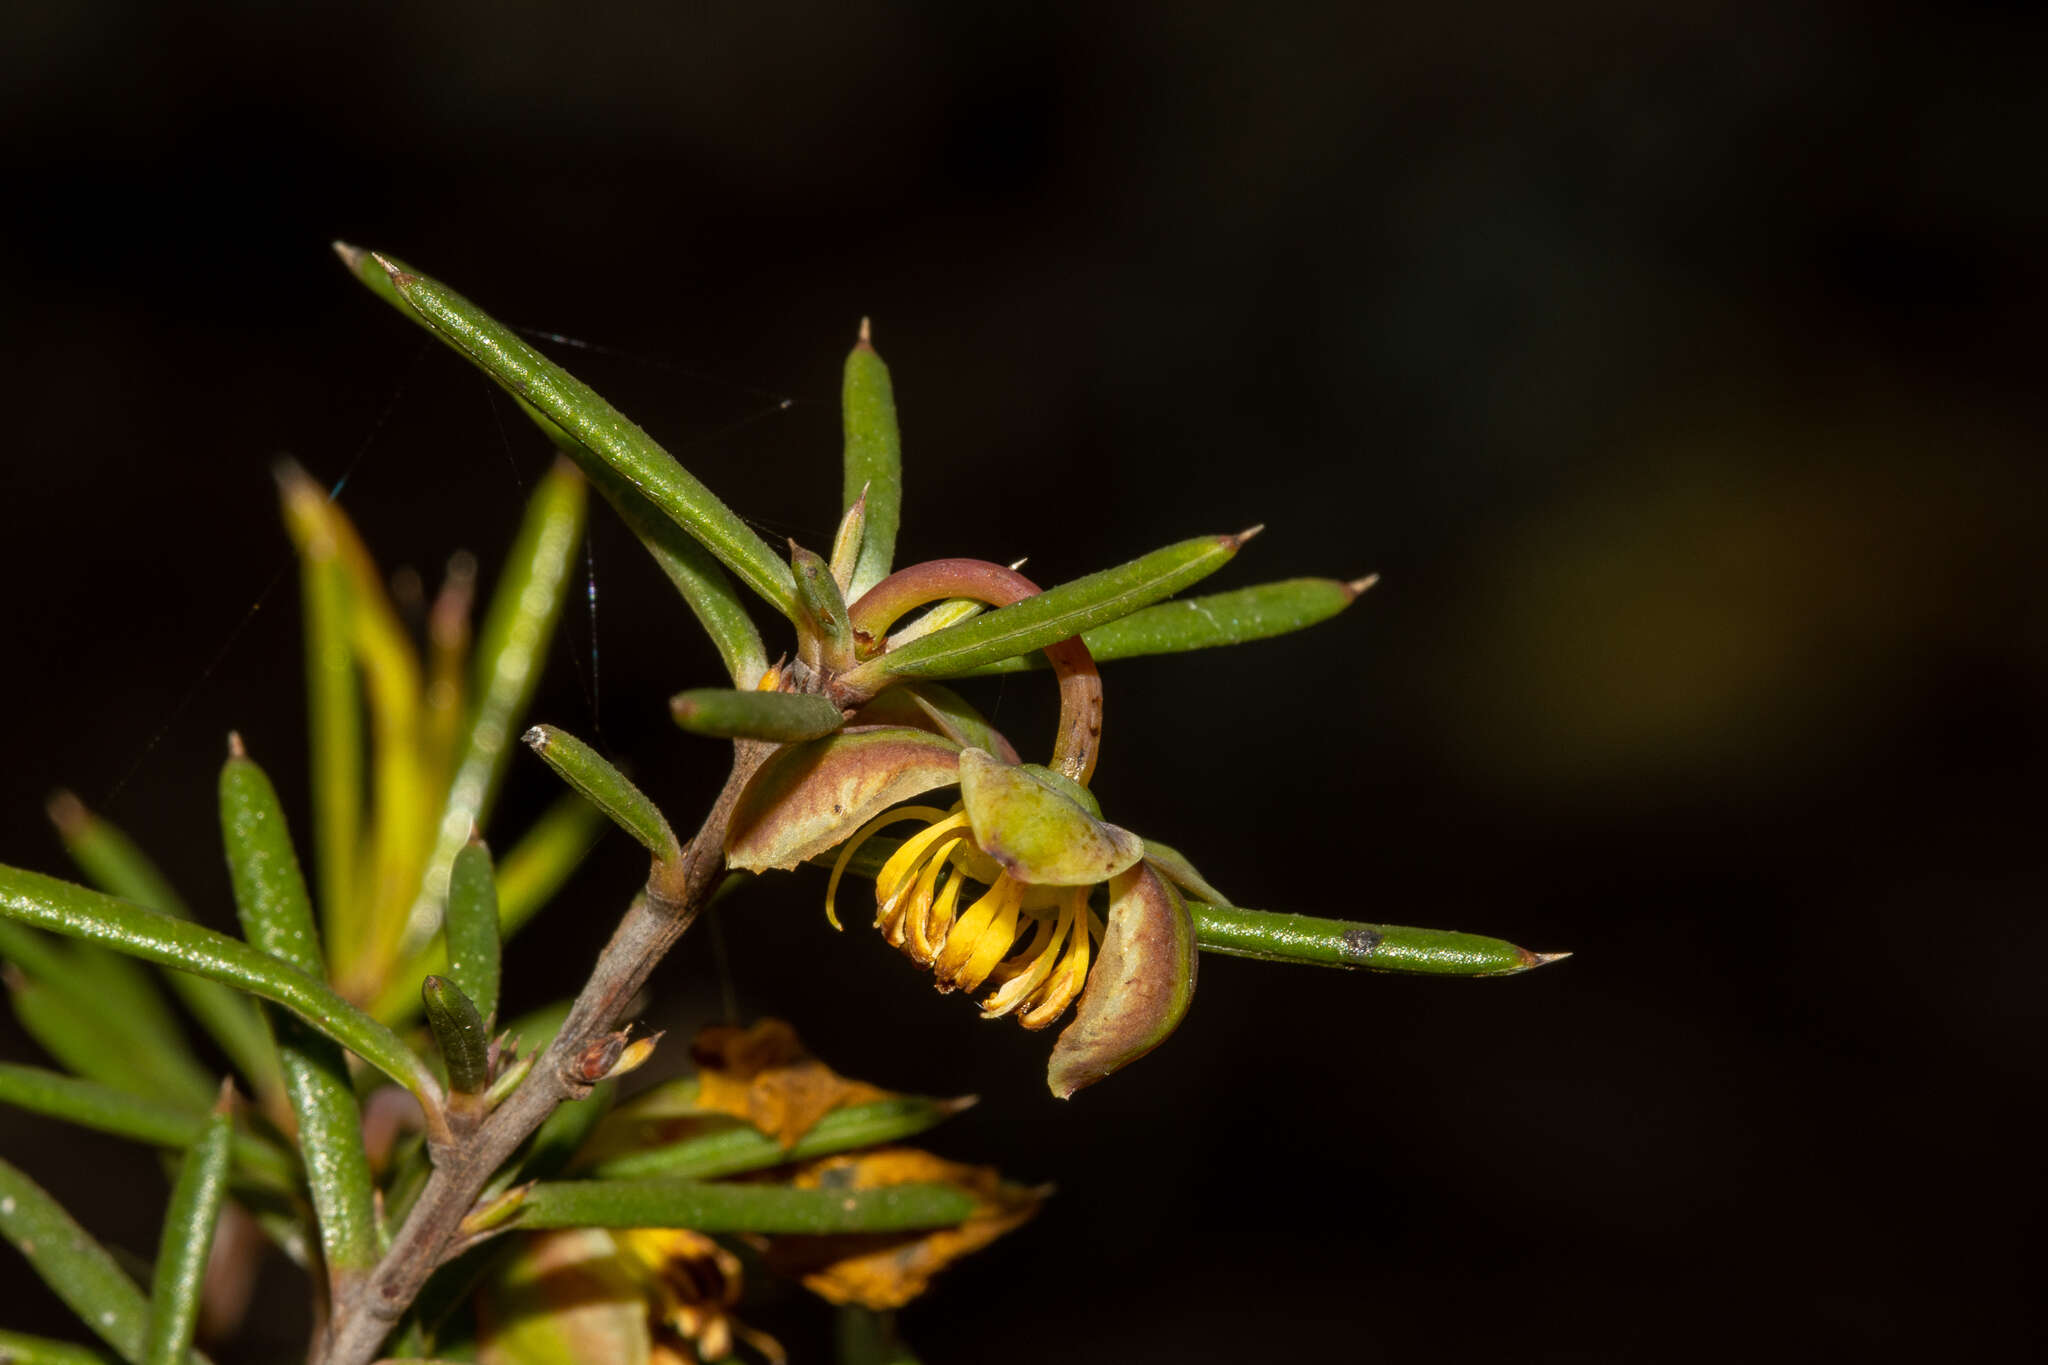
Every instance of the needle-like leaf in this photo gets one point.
(593, 424)
(512, 647)
(1052, 615)
(710, 1208)
(277, 917)
(75, 911)
(463, 1039)
(605, 787)
(741, 1147)
(873, 461)
(471, 928)
(187, 1239)
(1224, 618)
(115, 864)
(105, 1109)
(19, 1348)
(779, 717)
(89, 1281)
(1346, 943)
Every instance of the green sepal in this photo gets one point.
(808, 797)
(1040, 834)
(1140, 987)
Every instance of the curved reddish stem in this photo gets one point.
(935, 580)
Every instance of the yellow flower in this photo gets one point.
(1022, 853)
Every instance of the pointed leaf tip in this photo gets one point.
(235, 747)
(1237, 541)
(1360, 586)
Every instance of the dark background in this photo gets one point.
(1678, 371)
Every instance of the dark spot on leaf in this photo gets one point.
(1360, 942)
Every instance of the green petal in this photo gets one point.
(1037, 832)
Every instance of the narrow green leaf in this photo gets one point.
(1346, 943)
(105, 1109)
(742, 1147)
(779, 717)
(694, 572)
(711, 1208)
(363, 935)
(527, 879)
(471, 928)
(598, 428)
(1224, 618)
(951, 612)
(846, 543)
(335, 724)
(874, 459)
(606, 788)
(89, 1281)
(76, 912)
(19, 1348)
(459, 1030)
(86, 1041)
(187, 1239)
(1054, 614)
(115, 864)
(277, 917)
(824, 635)
(102, 1016)
(512, 648)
